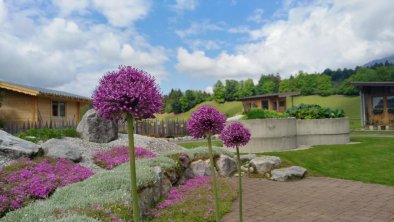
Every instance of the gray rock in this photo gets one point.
(226, 165)
(264, 164)
(247, 157)
(62, 148)
(95, 129)
(289, 173)
(14, 147)
(200, 168)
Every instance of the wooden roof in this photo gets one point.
(372, 83)
(280, 95)
(37, 91)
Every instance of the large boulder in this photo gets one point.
(247, 157)
(14, 147)
(96, 129)
(200, 168)
(288, 173)
(62, 148)
(264, 164)
(226, 165)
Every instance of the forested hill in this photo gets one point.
(329, 82)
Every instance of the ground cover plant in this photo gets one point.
(131, 94)
(264, 114)
(26, 180)
(110, 190)
(371, 160)
(314, 111)
(35, 135)
(109, 159)
(193, 201)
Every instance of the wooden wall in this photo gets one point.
(385, 118)
(258, 104)
(17, 107)
(20, 108)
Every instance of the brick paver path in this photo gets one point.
(314, 199)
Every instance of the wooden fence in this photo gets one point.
(16, 127)
(158, 128)
(150, 127)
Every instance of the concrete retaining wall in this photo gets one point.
(290, 133)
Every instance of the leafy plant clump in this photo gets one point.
(35, 135)
(313, 111)
(118, 155)
(264, 114)
(27, 180)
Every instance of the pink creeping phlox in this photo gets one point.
(118, 155)
(37, 180)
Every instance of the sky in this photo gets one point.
(69, 45)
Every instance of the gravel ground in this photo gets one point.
(87, 148)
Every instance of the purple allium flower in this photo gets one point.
(127, 90)
(235, 135)
(205, 120)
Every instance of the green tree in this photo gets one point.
(246, 88)
(231, 90)
(268, 84)
(219, 92)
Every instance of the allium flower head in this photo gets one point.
(127, 90)
(235, 135)
(205, 120)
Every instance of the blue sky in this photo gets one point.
(188, 44)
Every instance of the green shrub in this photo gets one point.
(313, 111)
(264, 114)
(35, 135)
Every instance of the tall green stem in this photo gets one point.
(134, 194)
(213, 173)
(239, 185)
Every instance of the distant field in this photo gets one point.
(228, 108)
(350, 104)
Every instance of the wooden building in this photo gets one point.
(377, 104)
(273, 101)
(22, 104)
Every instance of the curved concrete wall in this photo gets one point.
(323, 131)
(289, 133)
(271, 134)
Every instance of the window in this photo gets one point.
(282, 103)
(264, 104)
(390, 102)
(58, 109)
(377, 105)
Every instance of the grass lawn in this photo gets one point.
(194, 144)
(371, 160)
(350, 104)
(228, 108)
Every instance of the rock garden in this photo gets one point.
(87, 178)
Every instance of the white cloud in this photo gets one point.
(181, 5)
(198, 44)
(332, 34)
(67, 54)
(3, 12)
(209, 90)
(199, 28)
(69, 6)
(257, 16)
(123, 12)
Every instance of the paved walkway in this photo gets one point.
(314, 199)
